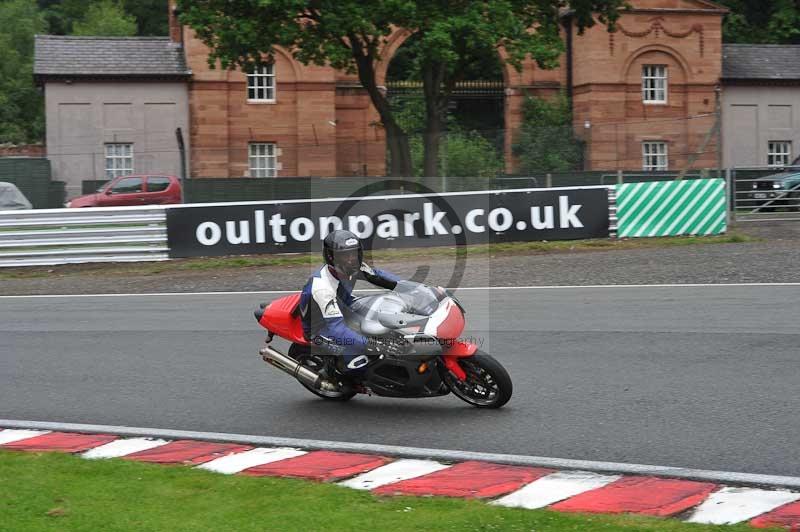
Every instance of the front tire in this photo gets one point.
(488, 384)
(316, 362)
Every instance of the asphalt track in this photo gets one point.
(696, 376)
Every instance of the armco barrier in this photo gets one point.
(671, 208)
(70, 236)
(127, 234)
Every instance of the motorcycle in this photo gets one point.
(414, 349)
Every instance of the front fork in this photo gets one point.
(458, 350)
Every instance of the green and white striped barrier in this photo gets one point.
(671, 208)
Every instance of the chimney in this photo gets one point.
(175, 28)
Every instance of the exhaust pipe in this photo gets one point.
(292, 367)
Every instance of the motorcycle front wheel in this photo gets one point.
(487, 385)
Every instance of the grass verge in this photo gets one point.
(388, 255)
(54, 492)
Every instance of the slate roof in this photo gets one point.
(775, 62)
(68, 56)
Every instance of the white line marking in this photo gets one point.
(11, 435)
(734, 505)
(553, 488)
(233, 463)
(393, 472)
(457, 288)
(123, 447)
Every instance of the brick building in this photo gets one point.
(643, 96)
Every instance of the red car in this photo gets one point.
(133, 190)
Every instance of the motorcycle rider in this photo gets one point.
(329, 289)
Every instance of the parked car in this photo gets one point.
(776, 190)
(11, 199)
(133, 190)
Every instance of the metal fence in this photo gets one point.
(71, 236)
(765, 194)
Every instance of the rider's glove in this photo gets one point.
(366, 269)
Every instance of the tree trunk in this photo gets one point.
(396, 139)
(432, 142)
(400, 164)
(436, 99)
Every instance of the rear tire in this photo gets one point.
(309, 359)
(488, 384)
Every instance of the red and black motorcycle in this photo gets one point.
(414, 349)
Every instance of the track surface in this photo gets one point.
(701, 377)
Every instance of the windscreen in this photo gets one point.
(420, 299)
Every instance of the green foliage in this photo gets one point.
(106, 18)
(21, 113)
(546, 141)
(469, 155)
(456, 38)
(762, 21)
(61, 15)
(409, 111)
(349, 34)
(246, 32)
(464, 153)
(151, 16)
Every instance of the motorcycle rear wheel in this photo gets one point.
(488, 384)
(315, 362)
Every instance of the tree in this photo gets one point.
(762, 21)
(349, 35)
(105, 18)
(21, 109)
(456, 35)
(151, 16)
(61, 14)
(546, 141)
(346, 34)
(466, 154)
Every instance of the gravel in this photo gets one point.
(774, 259)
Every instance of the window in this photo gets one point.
(261, 84)
(654, 156)
(157, 184)
(779, 153)
(654, 84)
(129, 185)
(263, 160)
(119, 160)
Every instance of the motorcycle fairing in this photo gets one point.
(447, 322)
(400, 377)
(281, 317)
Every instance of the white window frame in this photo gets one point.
(263, 159)
(118, 159)
(779, 153)
(655, 84)
(261, 86)
(655, 156)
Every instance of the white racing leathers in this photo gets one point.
(323, 322)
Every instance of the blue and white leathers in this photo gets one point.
(323, 322)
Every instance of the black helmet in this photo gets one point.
(342, 251)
